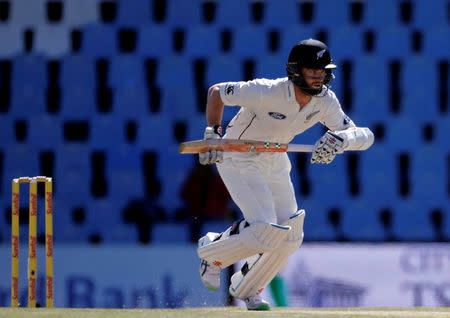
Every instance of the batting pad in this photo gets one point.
(234, 245)
(257, 272)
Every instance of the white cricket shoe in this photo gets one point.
(210, 275)
(256, 303)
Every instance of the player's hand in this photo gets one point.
(212, 156)
(327, 147)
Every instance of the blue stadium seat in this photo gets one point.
(107, 132)
(7, 133)
(442, 127)
(124, 185)
(64, 228)
(330, 11)
(80, 12)
(428, 178)
(360, 221)
(52, 41)
(118, 234)
(179, 102)
(195, 127)
(317, 226)
(20, 160)
(128, 82)
(393, 42)
(28, 13)
(170, 233)
(123, 157)
(155, 132)
(27, 99)
(99, 40)
(131, 101)
(279, 13)
(29, 68)
(379, 14)
(223, 68)
(197, 38)
(78, 101)
(395, 134)
(104, 217)
(419, 89)
(134, 12)
(422, 17)
(174, 71)
(73, 172)
(78, 86)
(233, 13)
(330, 181)
(378, 175)
(370, 93)
(248, 40)
(181, 13)
(292, 34)
(271, 66)
(77, 69)
(11, 35)
(154, 41)
(28, 82)
(345, 42)
(435, 44)
(446, 225)
(45, 131)
(73, 156)
(127, 71)
(173, 170)
(411, 221)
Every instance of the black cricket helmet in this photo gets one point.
(312, 54)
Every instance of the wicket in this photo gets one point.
(32, 240)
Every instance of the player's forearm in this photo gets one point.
(356, 138)
(214, 107)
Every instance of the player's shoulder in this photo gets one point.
(271, 86)
(329, 97)
(271, 82)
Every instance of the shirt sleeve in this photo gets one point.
(245, 94)
(335, 118)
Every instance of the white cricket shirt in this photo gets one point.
(270, 112)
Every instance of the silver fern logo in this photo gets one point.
(320, 53)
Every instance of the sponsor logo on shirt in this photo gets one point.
(311, 115)
(277, 115)
(229, 89)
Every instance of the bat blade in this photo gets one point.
(235, 145)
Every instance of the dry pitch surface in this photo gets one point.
(227, 312)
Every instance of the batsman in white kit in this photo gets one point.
(274, 110)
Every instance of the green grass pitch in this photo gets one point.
(228, 312)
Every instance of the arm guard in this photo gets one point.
(356, 138)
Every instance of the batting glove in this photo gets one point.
(212, 156)
(327, 147)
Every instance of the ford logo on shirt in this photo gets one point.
(277, 115)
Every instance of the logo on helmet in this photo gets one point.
(320, 53)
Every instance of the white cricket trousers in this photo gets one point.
(260, 185)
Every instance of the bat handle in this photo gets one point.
(300, 148)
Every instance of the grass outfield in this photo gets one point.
(227, 312)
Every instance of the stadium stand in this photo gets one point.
(107, 90)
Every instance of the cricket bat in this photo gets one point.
(235, 145)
